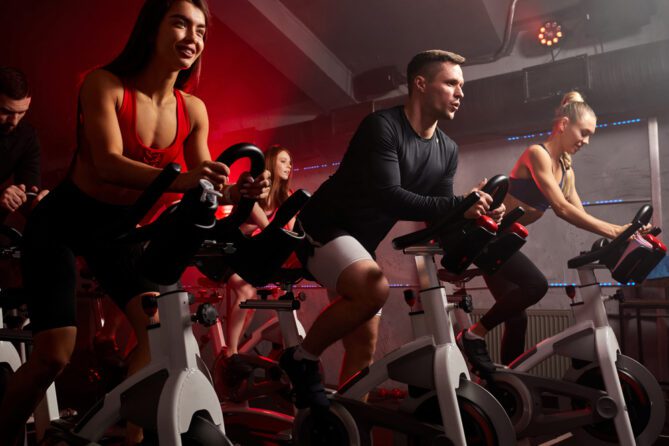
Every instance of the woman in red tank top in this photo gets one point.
(135, 117)
(279, 162)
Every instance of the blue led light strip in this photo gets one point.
(550, 285)
(317, 166)
(601, 284)
(392, 285)
(510, 138)
(615, 201)
(599, 126)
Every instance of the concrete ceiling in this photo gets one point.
(321, 46)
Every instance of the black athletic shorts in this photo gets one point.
(66, 224)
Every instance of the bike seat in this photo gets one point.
(288, 276)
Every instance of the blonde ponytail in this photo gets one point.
(568, 179)
(572, 96)
(573, 107)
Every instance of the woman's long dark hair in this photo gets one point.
(142, 42)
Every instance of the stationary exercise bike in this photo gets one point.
(605, 398)
(246, 422)
(172, 397)
(468, 413)
(259, 351)
(261, 348)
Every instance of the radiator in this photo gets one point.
(541, 324)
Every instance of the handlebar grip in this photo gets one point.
(290, 207)
(496, 187)
(423, 235)
(510, 218)
(643, 216)
(152, 194)
(228, 157)
(244, 150)
(641, 219)
(123, 228)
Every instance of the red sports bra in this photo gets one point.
(134, 148)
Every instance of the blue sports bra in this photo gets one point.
(527, 191)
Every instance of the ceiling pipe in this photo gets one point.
(503, 48)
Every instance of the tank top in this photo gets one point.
(134, 148)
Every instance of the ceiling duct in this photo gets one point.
(623, 82)
(557, 78)
(610, 19)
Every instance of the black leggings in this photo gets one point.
(517, 285)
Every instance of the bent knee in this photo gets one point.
(379, 294)
(366, 285)
(375, 297)
(50, 365)
(537, 290)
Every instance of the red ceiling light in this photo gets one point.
(550, 33)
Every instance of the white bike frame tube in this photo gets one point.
(590, 338)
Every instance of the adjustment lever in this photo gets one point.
(466, 303)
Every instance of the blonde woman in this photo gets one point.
(543, 176)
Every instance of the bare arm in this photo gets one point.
(258, 217)
(575, 199)
(198, 157)
(99, 96)
(196, 149)
(539, 165)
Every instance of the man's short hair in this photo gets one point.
(13, 83)
(422, 64)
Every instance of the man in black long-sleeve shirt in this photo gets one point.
(19, 146)
(398, 166)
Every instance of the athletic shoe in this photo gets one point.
(236, 370)
(477, 354)
(306, 379)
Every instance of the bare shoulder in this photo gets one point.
(101, 83)
(537, 154)
(536, 149)
(197, 111)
